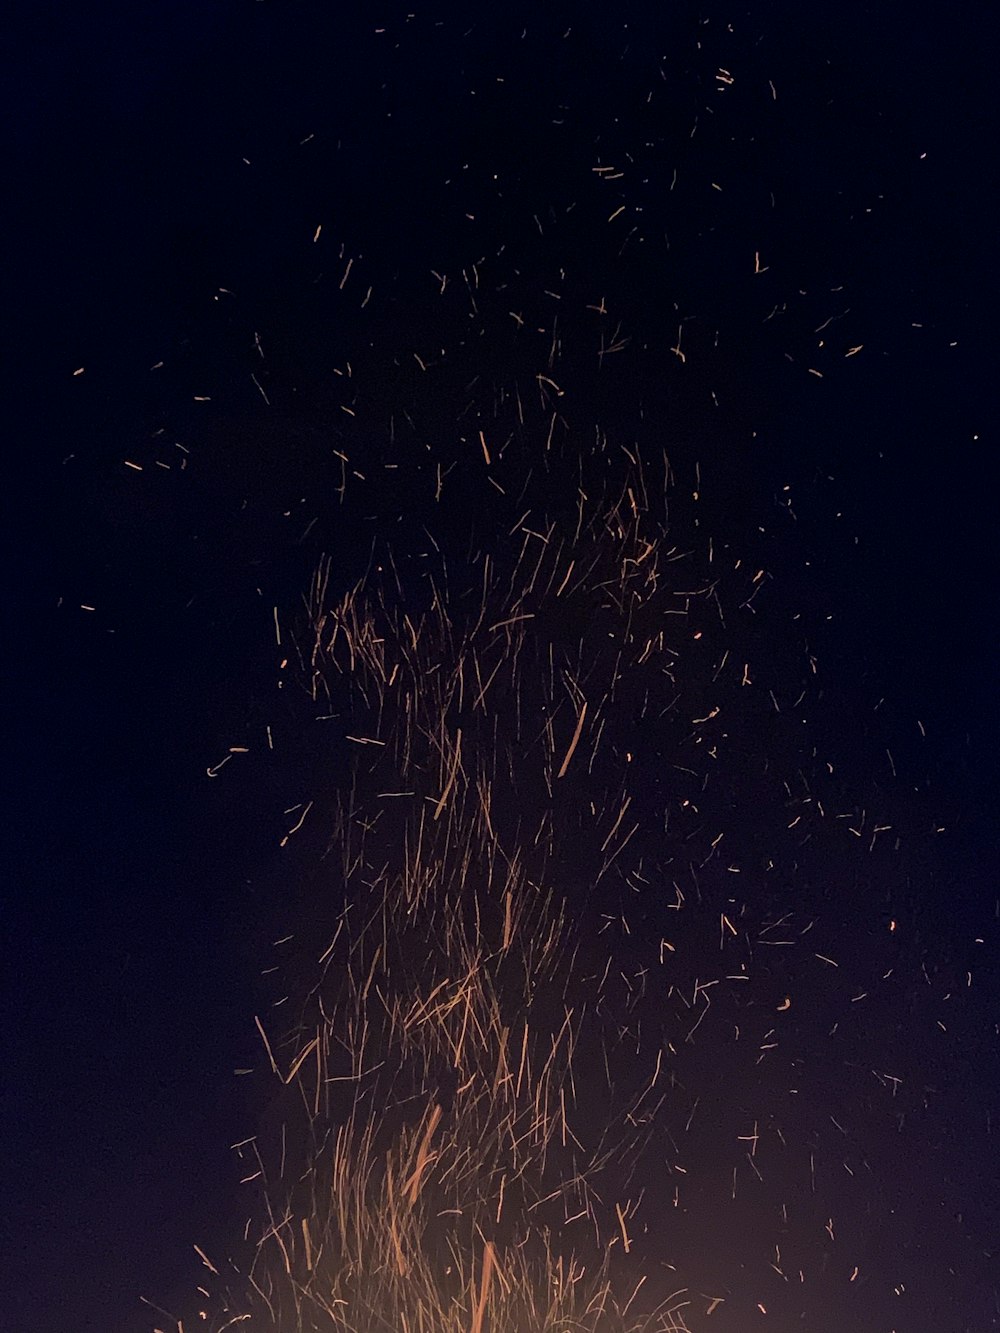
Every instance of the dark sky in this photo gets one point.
(172, 165)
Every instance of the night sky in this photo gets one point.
(431, 300)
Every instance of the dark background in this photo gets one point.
(140, 893)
